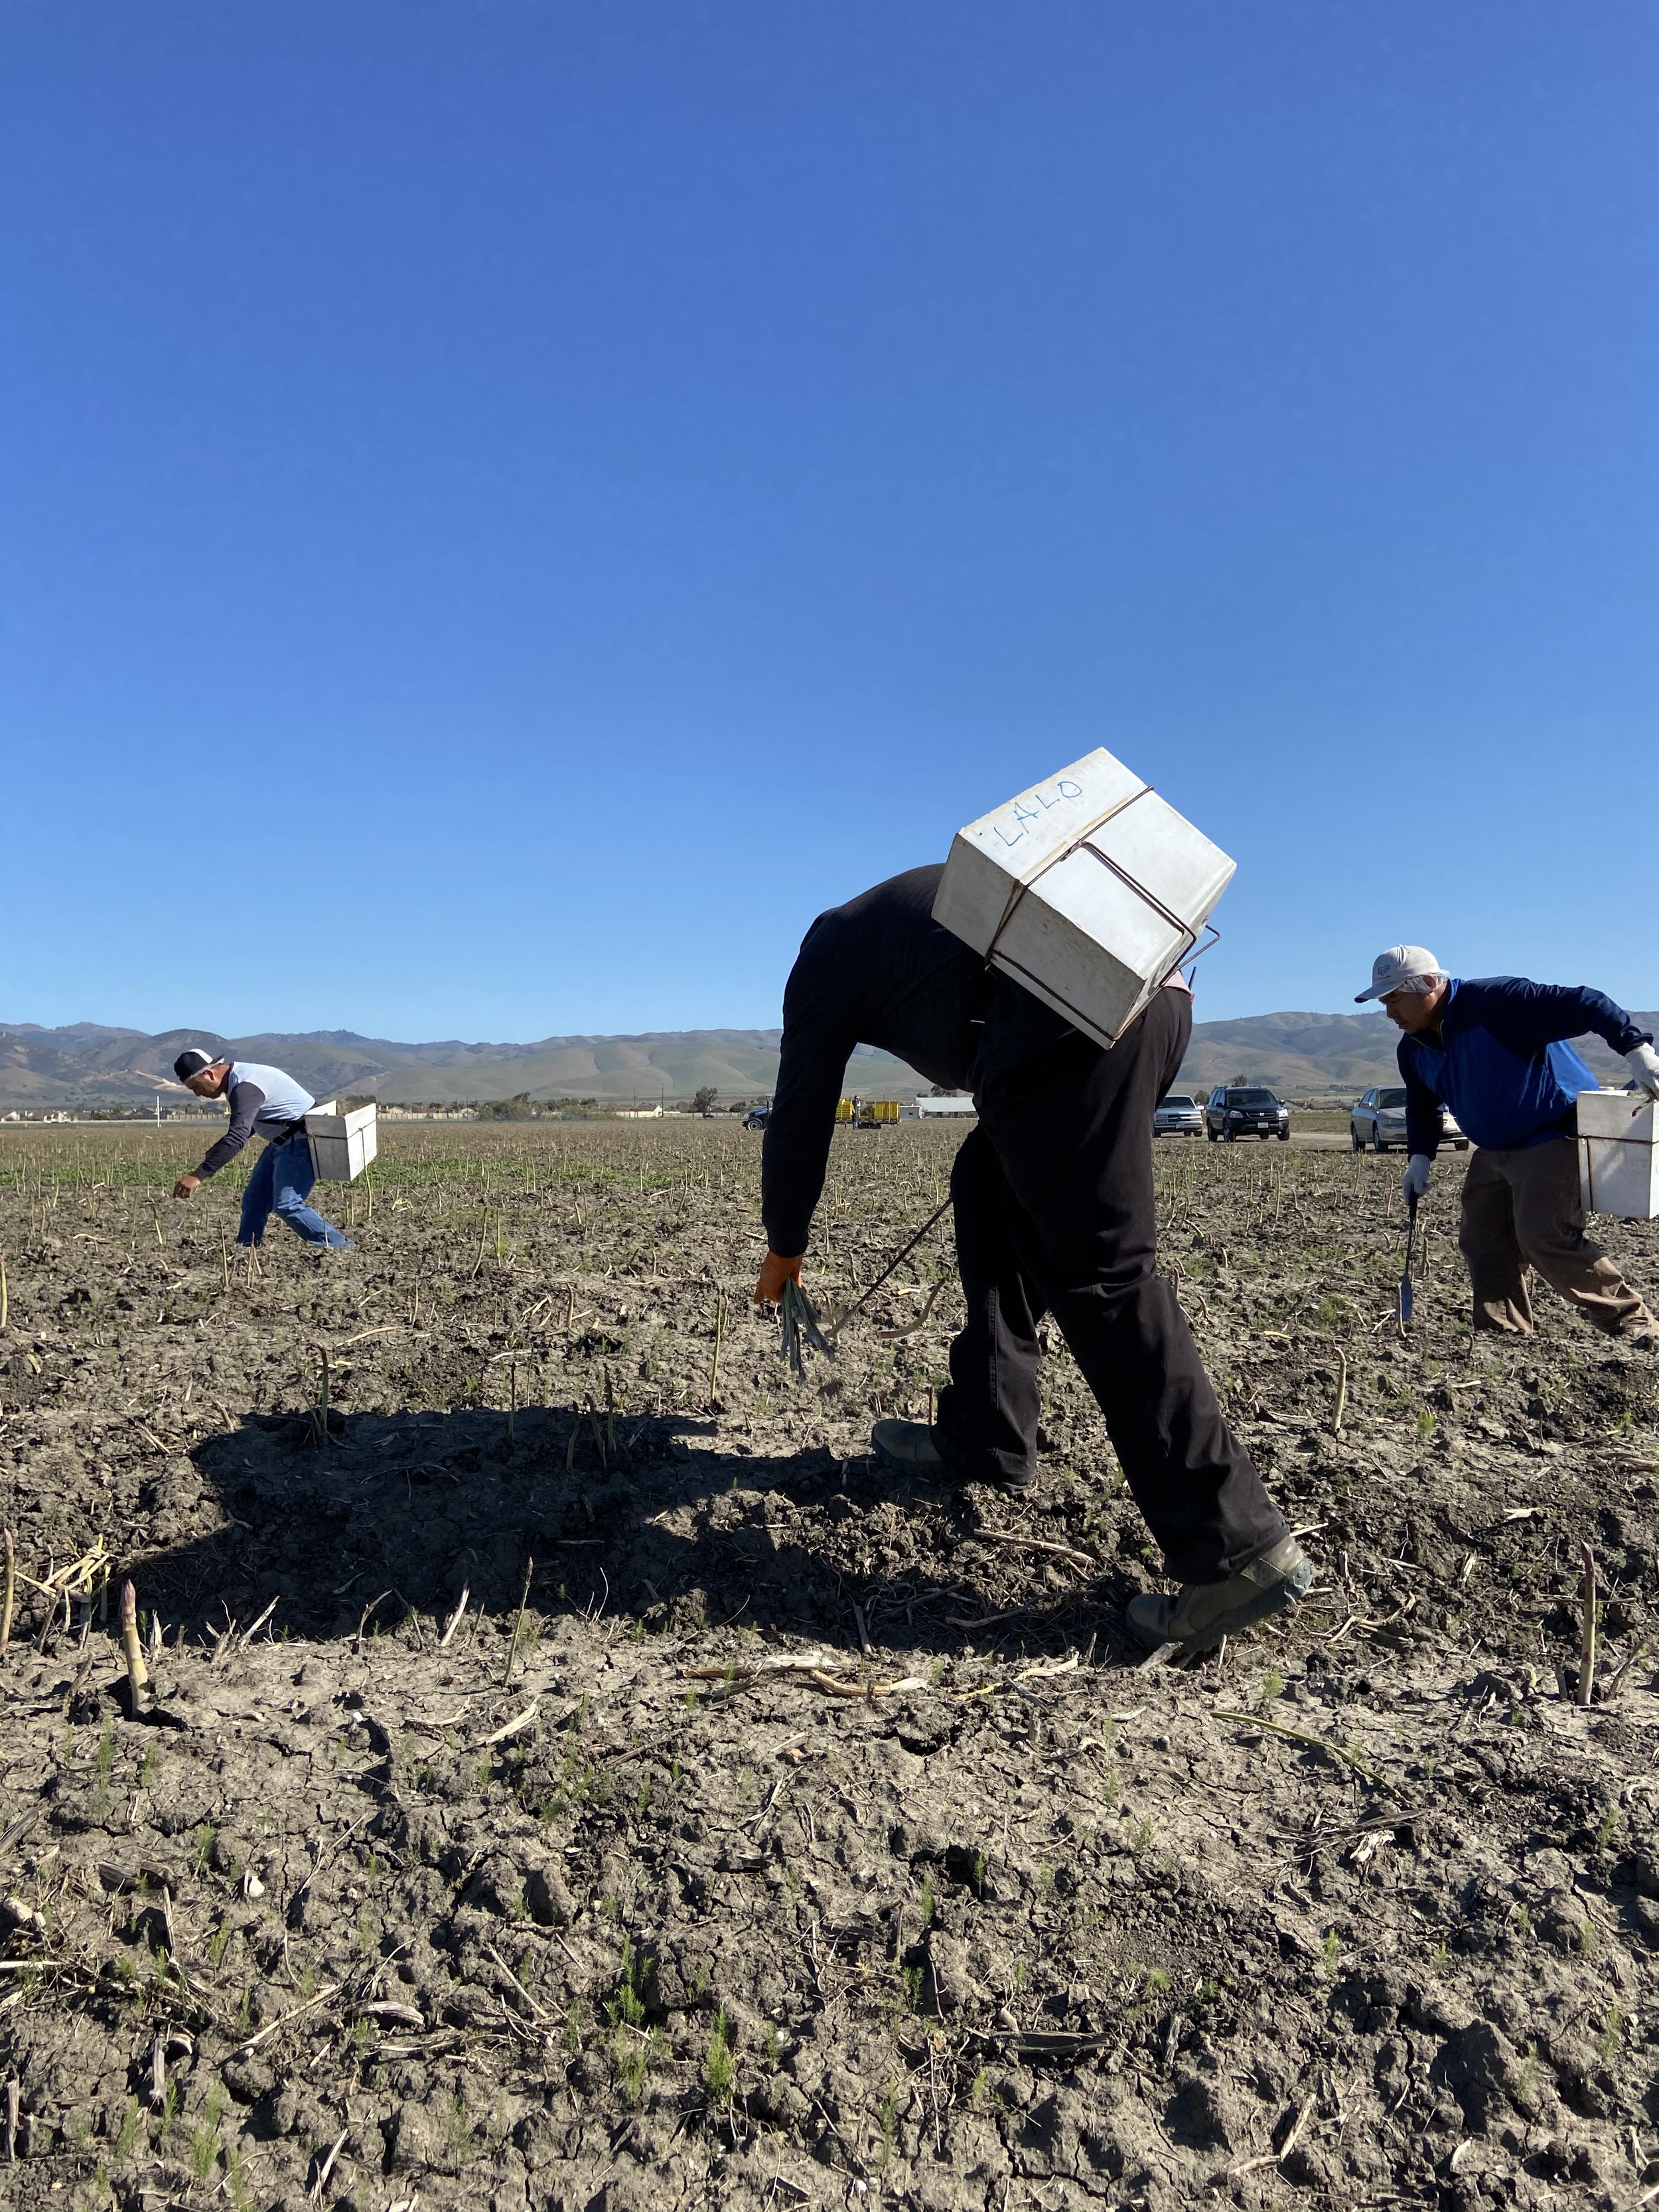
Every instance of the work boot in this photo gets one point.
(913, 1447)
(910, 1447)
(1201, 1613)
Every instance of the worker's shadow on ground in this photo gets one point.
(639, 1518)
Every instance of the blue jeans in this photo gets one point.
(280, 1184)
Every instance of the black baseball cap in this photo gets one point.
(192, 1063)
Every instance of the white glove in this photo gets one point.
(1643, 1065)
(1416, 1179)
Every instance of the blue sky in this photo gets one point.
(506, 510)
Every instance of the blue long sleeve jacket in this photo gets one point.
(1501, 1061)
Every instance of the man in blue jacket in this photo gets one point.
(1497, 1053)
(263, 1102)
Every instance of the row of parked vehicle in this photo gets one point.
(1230, 1111)
(1377, 1120)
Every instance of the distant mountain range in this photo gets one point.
(1329, 1055)
(83, 1064)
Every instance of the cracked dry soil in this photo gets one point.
(603, 1909)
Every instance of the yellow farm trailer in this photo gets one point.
(866, 1112)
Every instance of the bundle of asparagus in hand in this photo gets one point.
(800, 1320)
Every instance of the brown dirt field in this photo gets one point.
(618, 1914)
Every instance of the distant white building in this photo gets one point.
(956, 1101)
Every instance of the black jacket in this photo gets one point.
(881, 971)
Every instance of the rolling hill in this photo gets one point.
(84, 1064)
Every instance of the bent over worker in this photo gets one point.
(1052, 1199)
(1497, 1052)
(263, 1102)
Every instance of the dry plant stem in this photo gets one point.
(11, 1598)
(1298, 1735)
(537, 2011)
(1341, 1393)
(868, 1691)
(1586, 1639)
(13, 2098)
(78, 1579)
(327, 2165)
(1276, 2157)
(138, 1672)
(363, 1619)
(784, 1662)
(1042, 1544)
(454, 1621)
(511, 1727)
(246, 2050)
(518, 1626)
(1621, 1671)
(19, 1828)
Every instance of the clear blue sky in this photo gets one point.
(507, 509)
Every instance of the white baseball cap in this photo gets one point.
(1401, 968)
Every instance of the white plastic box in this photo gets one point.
(341, 1145)
(1618, 1153)
(1089, 889)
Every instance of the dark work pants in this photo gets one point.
(1053, 1198)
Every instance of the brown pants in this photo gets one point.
(1520, 1210)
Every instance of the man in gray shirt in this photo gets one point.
(263, 1102)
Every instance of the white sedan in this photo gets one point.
(1379, 1119)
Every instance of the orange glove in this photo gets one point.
(773, 1277)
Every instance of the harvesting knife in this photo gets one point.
(1405, 1280)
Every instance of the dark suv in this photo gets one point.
(1238, 1112)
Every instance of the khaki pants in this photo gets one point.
(1520, 1210)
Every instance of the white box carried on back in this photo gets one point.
(1619, 1154)
(341, 1145)
(1089, 889)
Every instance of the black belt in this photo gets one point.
(294, 1129)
